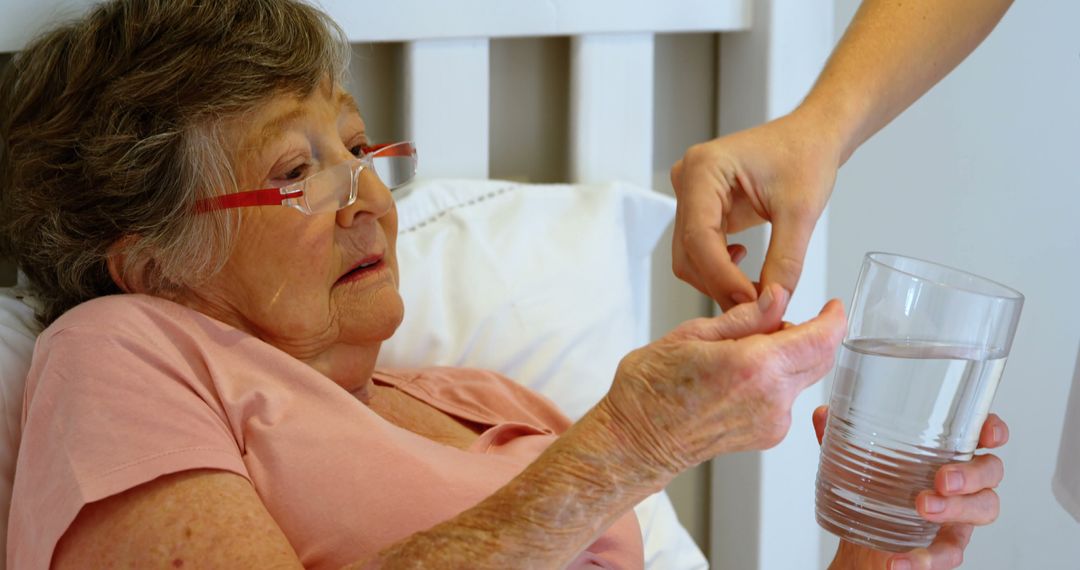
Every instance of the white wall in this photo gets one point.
(982, 174)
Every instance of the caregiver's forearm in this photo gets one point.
(547, 515)
(892, 53)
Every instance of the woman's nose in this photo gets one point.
(372, 197)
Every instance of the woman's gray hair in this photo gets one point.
(111, 132)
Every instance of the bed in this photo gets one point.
(504, 95)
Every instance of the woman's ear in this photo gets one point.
(126, 273)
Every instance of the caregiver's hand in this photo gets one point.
(719, 385)
(963, 497)
(782, 172)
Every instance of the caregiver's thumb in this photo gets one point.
(790, 238)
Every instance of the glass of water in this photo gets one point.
(925, 349)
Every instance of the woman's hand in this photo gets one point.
(718, 385)
(963, 497)
(782, 172)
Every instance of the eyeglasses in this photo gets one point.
(331, 189)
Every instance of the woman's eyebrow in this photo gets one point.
(346, 101)
(273, 127)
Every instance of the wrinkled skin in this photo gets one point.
(720, 385)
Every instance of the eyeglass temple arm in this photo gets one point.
(264, 197)
(390, 149)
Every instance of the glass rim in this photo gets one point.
(1004, 291)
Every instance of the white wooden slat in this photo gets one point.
(763, 500)
(611, 108)
(611, 120)
(383, 21)
(447, 86)
(406, 20)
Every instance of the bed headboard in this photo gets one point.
(595, 90)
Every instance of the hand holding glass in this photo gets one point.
(925, 349)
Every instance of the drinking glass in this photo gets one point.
(925, 348)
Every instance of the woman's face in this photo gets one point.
(293, 279)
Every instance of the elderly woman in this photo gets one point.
(192, 193)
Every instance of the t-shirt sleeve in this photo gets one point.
(103, 413)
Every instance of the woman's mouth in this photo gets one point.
(366, 268)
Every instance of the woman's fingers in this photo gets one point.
(979, 508)
(995, 432)
(982, 472)
(763, 316)
(806, 351)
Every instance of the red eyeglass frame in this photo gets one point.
(276, 196)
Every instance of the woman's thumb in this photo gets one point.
(764, 315)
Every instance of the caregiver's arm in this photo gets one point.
(692, 395)
(893, 52)
(784, 171)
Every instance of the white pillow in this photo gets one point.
(543, 283)
(18, 330)
(546, 284)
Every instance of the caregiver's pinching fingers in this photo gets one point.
(700, 253)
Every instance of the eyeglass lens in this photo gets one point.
(335, 188)
(331, 190)
(394, 171)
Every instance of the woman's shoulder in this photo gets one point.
(110, 335)
(141, 319)
(118, 311)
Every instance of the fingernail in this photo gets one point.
(740, 298)
(765, 300)
(934, 504)
(954, 481)
(999, 434)
(900, 564)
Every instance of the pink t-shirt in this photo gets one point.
(125, 389)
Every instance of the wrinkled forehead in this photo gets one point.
(250, 132)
